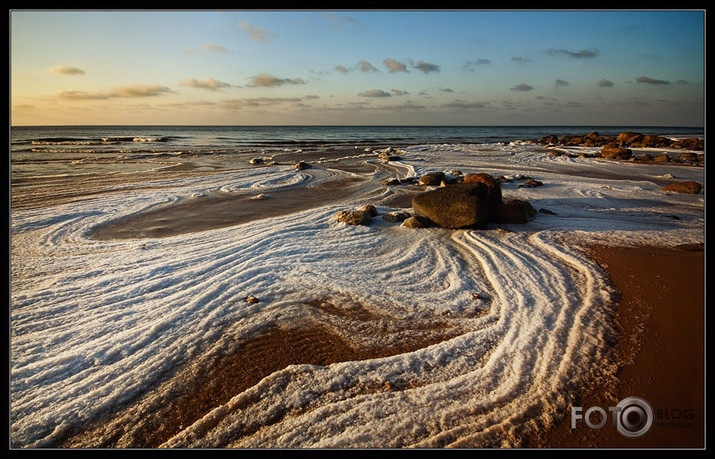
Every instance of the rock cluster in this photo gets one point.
(620, 147)
(471, 203)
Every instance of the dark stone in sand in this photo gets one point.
(301, 165)
(432, 179)
(354, 217)
(513, 211)
(416, 222)
(396, 216)
(531, 183)
(461, 205)
(664, 158)
(683, 187)
(370, 209)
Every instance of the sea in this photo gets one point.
(81, 146)
(109, 337)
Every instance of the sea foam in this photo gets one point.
(98, 325)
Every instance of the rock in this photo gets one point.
(547, 211)
(370, 209)
(391, 182)
(256, 161)
(689, 157)
(416, 222)
(627, 138)
(494, 196)
(433, 179)
(683, 187)
(396, 216)
(664, 158)
(301, 165)
(354, 217)
(531, 183)
(694, 247)
(688, 144)
(252, 300)
(612, 151)
(462, 205)
(513, 211)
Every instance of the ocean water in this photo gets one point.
(114, 331)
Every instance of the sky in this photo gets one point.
(357, 67)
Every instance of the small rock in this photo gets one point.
(396, 216)
(354, 217)
(301, 165)
(370, 209)
(433, 179)
(416, 222)
(256, 161)
(547, 211)
(252, 300)
(683, 187)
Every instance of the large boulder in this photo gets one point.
(462, 205)
(513, 211)
(494, 197)
(683, 187)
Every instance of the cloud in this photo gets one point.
(520, 59)
(256, 33)
(605, 84)
(130, 91)
(561, 83)
(212, 47)
(398, 92)
(647, 80)
(522, 87)
(338, 22)
(374, 93)
(64, 70)
(394, 65)
(365, 66)
(342, 69)
(208, 84)
(426, 67)
(265, 80)
(235, 104)
(587, 53)
(464, 105)
(470, 65)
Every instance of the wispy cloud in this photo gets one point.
(256, 33)
(375, 93)
(214, 48)
(208, 84)
(522, 87)
(339, 22)
(130, 91)
(472, 65)
(394, 65)
(584, 53)
(426, 67)
(520, 59)
(64, 70)
(365, 66)
(561, 84)
(605, 84)
(265, 80)
(648, 80)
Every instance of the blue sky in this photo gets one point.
(357, 67)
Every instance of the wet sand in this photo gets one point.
(660, 316)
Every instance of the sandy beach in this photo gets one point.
(659, 315)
